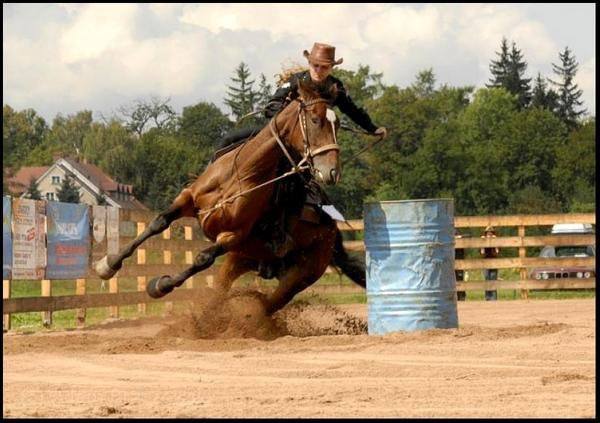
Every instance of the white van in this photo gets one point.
(572, 228)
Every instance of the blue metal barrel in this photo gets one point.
(410, 265)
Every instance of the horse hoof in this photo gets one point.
(104, 270)
(154, 287)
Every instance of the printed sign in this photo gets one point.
(112, 229)
(28, 239)
(99, 223)
(68, 240)
(6, 238)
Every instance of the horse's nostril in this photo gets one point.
(334, 175)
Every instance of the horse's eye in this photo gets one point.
(315, 120)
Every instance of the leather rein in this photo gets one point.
(304, 164)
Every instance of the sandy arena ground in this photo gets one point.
(507, 359)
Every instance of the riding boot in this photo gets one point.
(281, 243)
(280, 249)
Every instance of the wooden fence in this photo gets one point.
(189, 240)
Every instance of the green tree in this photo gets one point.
(241, 97)
(165, 163)
(500, 68)
(424, 86)
(109, 146)
(574, 175)
(68, 191)
(142, 115)
(21, 133)
(101, 199)
(264, 93)
(568, 92)
(33, 191)
(65, 138)
(542, 96)
(516, 82)
(508, 73)
(484, 129)
(201, 126)
(529, 150)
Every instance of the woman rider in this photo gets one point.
(321, 61)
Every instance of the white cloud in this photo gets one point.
(100, 56)
(586, 80)
(97, 28)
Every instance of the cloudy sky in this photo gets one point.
(62, 58)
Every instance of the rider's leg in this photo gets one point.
(238, 135)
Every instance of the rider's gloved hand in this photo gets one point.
(381, 131)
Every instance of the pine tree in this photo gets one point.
(68, 191)
(508, 73)
(33, 191)
(542, 96)
(500, 68)
(101, 199)
(264, 91)
(241, 98)
(568, 94)
(264, 94)
(516, 83)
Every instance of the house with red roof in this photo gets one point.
(92, 182)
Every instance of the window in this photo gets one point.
(50, 196)
(56, 180)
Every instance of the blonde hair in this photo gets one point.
(288, 68)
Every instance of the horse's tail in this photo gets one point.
(350, 266)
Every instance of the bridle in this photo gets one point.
(305, 163)
(307, 159)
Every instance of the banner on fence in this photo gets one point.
(68, 240)
(112, 229)
(6, 238)
(99, 214)
(29, 231)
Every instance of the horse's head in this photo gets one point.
(316, 140)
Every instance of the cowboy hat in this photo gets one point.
(323, 53)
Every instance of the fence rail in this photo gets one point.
(184, 239)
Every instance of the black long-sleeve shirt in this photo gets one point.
(342, 100)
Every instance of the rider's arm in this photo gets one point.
(277, 101)
(350, 109)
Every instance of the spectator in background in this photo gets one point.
(493, 252)
(459, 254)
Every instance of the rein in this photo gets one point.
(303, 164)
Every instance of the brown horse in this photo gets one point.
(234, 192)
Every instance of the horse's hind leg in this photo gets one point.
(183, 205)
(161, 286)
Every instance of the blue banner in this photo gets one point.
(6, 238)
(68, 240)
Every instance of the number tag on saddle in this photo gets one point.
(333, 212)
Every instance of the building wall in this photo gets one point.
(46, 186)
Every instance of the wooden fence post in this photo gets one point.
(167, 260)
(113, 288)
(46, 292)
(523, 271)
(141, 259)
(80, 312)
(189, 256)
(6, 294)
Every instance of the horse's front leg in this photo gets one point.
(183, 205)
(161, 286)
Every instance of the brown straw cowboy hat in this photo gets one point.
(323, 53)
